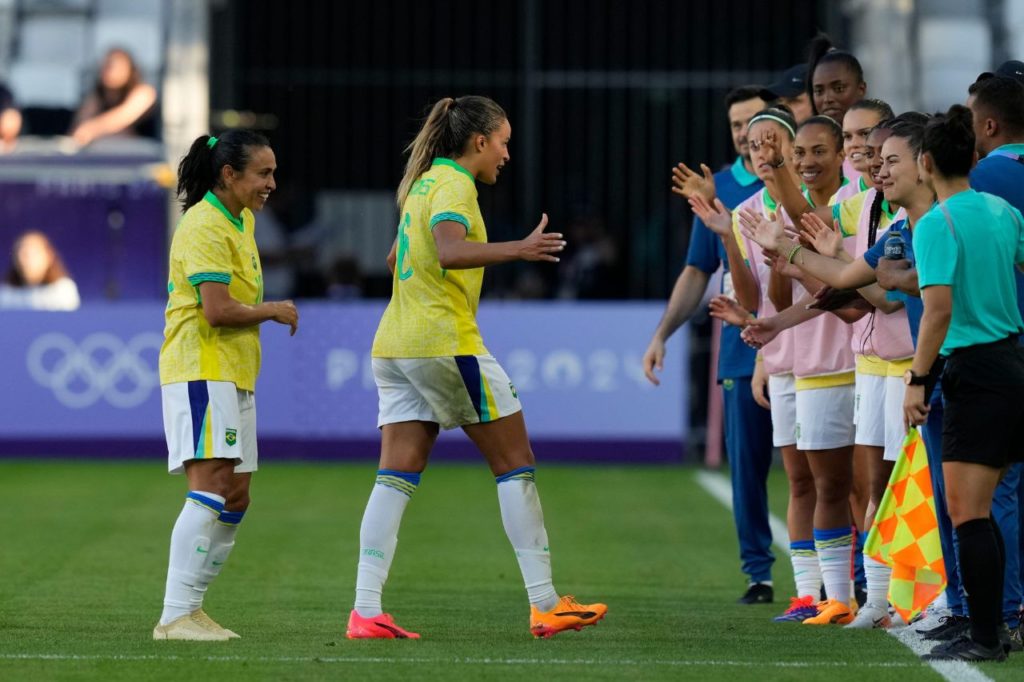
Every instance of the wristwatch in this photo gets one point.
(912, 379)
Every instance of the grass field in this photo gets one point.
(84, 557)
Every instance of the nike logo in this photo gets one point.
(578, 614)
(217, 563)
(395, 631)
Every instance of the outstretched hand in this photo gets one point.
(769, 233)
(717, 217)
(728, 310)
(689, 184)
(825, 239)
(760, 331)
(540, 245)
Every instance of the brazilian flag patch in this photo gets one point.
(230, 436)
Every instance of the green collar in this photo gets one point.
(740, 173)
(889, 210)
(215, 202)
(1012, 147)
(453, 164)
(769, 202)
(862, 184)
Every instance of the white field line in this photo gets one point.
(456, 660)
(719, 487)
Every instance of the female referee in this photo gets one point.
(209, 362)
(433, 371)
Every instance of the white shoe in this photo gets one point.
(870, 617)
(932, 619)
(189, 628)
(211, 624)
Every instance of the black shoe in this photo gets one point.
(964, 648)
(1010, 639)
(860, 594)
(949, 628)
(758, 593)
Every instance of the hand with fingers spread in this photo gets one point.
(769, 233)
(727, 310)
(760, 331)
(716, 217)
(689, 184)
(825, 239)
(540, 245)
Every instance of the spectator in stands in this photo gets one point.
(120, 103)
(37, 279)
(10, 120)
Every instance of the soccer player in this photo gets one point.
(433, 370)
(967, 247)
(209, 362)
(835, 82)
(748, 439)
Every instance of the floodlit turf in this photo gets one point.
(84, 555)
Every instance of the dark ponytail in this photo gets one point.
(949, 138)
(199, 170)
(821, 51)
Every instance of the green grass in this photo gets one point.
(84, 558)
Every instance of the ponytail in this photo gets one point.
(821, 51)
(949, 138)
(199, 170)
(449, 125)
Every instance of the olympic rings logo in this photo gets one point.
(102, 366)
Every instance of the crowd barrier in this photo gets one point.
(86, 383)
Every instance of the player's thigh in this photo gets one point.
(405, 446)
(503, 443)
(202, 421)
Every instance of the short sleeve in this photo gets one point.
(1019, 256)
(935, 251)
(846, 214)
(206, 256)
(876, 252)
(703, 250)
(450, 201)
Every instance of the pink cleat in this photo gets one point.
(378, 627)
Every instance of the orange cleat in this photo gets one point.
(568, 614)
(378, 627)
(831, 612)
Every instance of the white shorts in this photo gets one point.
(782, 394)
(209, 420)
(869, 410)
(450, 391)
(824, 417)
(895, 432)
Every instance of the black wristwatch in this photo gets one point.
(912, 379)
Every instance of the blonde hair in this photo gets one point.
(449, 125)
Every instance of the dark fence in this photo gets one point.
(603, 95)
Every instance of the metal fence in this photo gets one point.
(603, 96)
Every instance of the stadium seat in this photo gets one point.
(53, 39)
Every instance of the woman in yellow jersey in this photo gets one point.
(433, 371)
(209, 362)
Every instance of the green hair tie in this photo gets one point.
(211, 142)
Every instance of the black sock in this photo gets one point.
(999, 541)
(982, 576)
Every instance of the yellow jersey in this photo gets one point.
(432, 312)
(211, 245)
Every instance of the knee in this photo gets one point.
(802, 488)
(832, 490)
(237, 501)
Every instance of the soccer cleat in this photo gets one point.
(1017, 639)
(1009, 639)
(757, 593)
(211, 624)
(831, 612)
(963, 648)
(568, 614)
(800, 609)
(378, 627)
(949, 628)
(870, 617)
(190, 628)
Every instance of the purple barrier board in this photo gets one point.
(88, 382)
(107, 217)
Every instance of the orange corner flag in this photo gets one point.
(905, 534)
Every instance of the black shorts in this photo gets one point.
(983, 387)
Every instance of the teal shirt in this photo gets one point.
(976, 257)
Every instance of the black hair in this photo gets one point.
(821, 51)
(1002, 98)
(778, 111)
(949, 138)
(199, 170)
(448, 127)
(742, 94)
(909, 126)
(833, 127)
(881, 108)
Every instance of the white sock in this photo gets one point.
(222, 541)
(190, 547)
(523, 519)
(378, 537)
(806, 569)
(834, 553)
(877, 575)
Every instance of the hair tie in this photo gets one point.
(452, 104)
(770, 117)
(211, 142)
